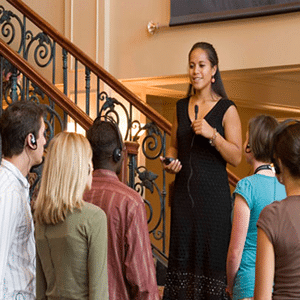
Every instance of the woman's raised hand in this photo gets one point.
(201, 127)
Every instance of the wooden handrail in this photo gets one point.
(116, 85)
(232, 178)
(48, 88)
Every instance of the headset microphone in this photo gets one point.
(196, 111)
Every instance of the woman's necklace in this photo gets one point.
(262, 167)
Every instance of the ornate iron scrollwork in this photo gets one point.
(8, 28)
(43, 52)
(36, 47)
(153, 145)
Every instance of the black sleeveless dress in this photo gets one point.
(200, 213)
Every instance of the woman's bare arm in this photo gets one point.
(265, 267)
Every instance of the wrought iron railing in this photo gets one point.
(82, 80)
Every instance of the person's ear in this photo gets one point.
(31, 141)
(214, 71)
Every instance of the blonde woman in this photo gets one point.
(71, 235)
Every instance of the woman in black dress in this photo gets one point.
(206, 135)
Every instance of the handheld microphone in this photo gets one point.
(196, 111)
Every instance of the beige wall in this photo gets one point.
(249, 43)
(80, 21)
(134, 53)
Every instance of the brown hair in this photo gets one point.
(287, 146)
(17, 121)
(261, 132)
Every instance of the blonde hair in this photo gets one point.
(64, 177)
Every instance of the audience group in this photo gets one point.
(71, 248)
(86, 235)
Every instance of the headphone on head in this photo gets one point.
(281, 127)
(117, 152)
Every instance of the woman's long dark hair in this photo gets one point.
(217, 86)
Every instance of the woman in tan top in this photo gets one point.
(278, 241)
(71, 235)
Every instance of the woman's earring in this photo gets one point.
(248, 149)
(213, 79)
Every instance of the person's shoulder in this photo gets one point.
(289, 203)
(257, 178)
(90, 210)
(226, 103)
(6, 173)
(130, 193)
(88, 219)
(9, 183)
(183, 101)
(273, 209)
(245, 182)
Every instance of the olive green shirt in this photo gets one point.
(72, 256)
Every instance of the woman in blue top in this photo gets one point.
(252, 194)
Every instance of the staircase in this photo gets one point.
(78, 92)
(75, 95)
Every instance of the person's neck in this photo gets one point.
(205, 95)
(292, 187)
(108, 167)
(20, 161)
(256, 164)
(292, 184)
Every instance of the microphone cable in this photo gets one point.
(196, 108)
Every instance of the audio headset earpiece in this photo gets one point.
(32, 144)
(281, 127)
(33, 140)
(117, 152)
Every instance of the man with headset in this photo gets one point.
(131, 272)
(22, 130)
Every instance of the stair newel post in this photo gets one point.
(14, 83)
(1, 84)
(76, 87)
(65, 79)
(164, 194)
(132, 148)
(25, 93)
(98, 92)
(87, 90)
